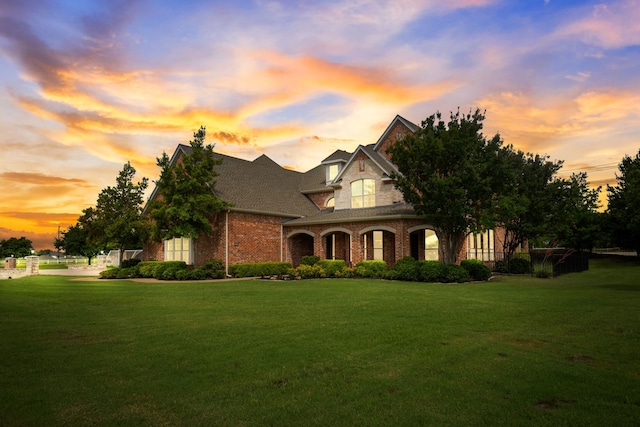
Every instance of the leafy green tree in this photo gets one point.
(525, 212)
(186, 201)
(574, 220)
(116, 222)
(624, 204)
(14, 247)
(76, 240)
(453, 176)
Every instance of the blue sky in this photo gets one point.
(87, 86)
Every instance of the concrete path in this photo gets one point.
(70, 272)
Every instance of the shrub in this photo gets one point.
(259, 269)
(110, 273)
(431, 271)
(477, 269)
(371, 268)
(332, 267)
(309, 260)
(309, 271)
(161, 267)
(502, 266)
(519, 266)
(146, 268)
(126, 273)
(127, 263)
(213, 269)
(405, 269)
(191, 274)
(452, 273)
(346, 273)
(170, 273)
(516, 265)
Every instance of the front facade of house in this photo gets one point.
(346, 208)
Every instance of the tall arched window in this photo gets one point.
(363, 193)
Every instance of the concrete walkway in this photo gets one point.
(70, 272)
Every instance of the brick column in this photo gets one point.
(9, 262)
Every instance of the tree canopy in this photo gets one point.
(116, 221)
(186, 201)
(76, 239)
(453, 176)
(14, 247)
(574, 221)
(624, 204)
(525, 210)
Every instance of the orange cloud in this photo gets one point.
(40, 179)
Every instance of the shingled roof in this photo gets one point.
(330, 216)
(262, 186)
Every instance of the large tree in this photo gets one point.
(14, 247)
(624, 204)
(77, 239)
(453, 176)
(186, 201)
(574, 221)
(116, 221)
(525, 212)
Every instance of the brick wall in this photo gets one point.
(320, 199)
(392, 138)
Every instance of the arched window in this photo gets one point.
(363, 193)
(330, 203)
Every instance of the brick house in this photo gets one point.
(345, 208)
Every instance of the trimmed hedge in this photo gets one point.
(167, 270)
(309, 260)
(452, 273)
(407, 269)
(259, 269)
(332, 267)
(371, 268)
(477, 269)
(431, 271)
(514, 266)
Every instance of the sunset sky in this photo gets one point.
(86, 86)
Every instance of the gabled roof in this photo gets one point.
(337, 156)
(260, 186)
(377, 158)
(398, 119)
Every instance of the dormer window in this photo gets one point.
(332, 171)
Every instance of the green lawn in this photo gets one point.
(515, 351)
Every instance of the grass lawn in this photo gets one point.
(515, 351)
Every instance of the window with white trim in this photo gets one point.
(179, 249)
(378, 245)
(363, 193)
(332, 172)
(481, 246)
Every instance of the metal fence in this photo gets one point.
(540, 262)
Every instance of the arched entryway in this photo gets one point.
(336, 244)
(379, 243)
(300, 243)
(424, 243)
